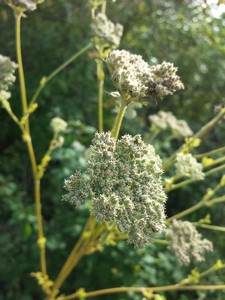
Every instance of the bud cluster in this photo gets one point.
(137, 81)
(166, 120)
(123, 180)
(187, 165)
(105, 33)
(187, 242)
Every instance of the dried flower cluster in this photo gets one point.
(24, 5)
(137, 81)
(58, 125)
(123, 179)
(187, 165)
(187, 242)
(166, 120)
(105, 33)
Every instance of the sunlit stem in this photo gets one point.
(100, 75)
(119, 119)
(28, 141)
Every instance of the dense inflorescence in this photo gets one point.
(123, 180)
(187, 242)
(187, 165)
(166, 120)
(58, 124)
(105, 33)
(7, 70)
(24, 5)
(137, 81)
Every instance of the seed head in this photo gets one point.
(137, 81)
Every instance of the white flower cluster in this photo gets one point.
(105, 33)
(187, 165)
(123, 179)
(58, 124)
(166, 120)
(7, 70)
(24, 5)
(137, 81)
(187, 242)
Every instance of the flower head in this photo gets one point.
(58, 125)
(187, 165)
(106, 33)
(166, 120)
(137, 81)
(123, 179)
(7, 70)
(24, 5)
(187, 242)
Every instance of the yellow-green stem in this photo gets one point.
(100, 75)
(119, 119)
(212, 227)
(56, 71)
(27, 139)
(125, 289)
(210, 153)
(197, 206)
(73, 258)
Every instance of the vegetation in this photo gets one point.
(66, 78)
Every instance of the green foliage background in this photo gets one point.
(179, 31)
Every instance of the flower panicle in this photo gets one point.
(123, 180)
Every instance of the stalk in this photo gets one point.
(28, 141)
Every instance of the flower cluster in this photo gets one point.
(58, 125)
(137, 81)
(187, 242)
(187, 165)
(166, 120)
(24, 5)
(105, 33)
(7, 70)
(123, 179)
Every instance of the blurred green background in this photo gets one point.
(184, 32)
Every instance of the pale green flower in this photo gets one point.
(187, 243)
(123, 180)
(187, 165)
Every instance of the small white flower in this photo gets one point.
(58, 124)
(187, 165)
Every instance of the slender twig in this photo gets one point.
(210, 153)
(27, 139)
(46, 79)
(200, 135)
(125, 289)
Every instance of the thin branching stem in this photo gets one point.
(28, 141)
